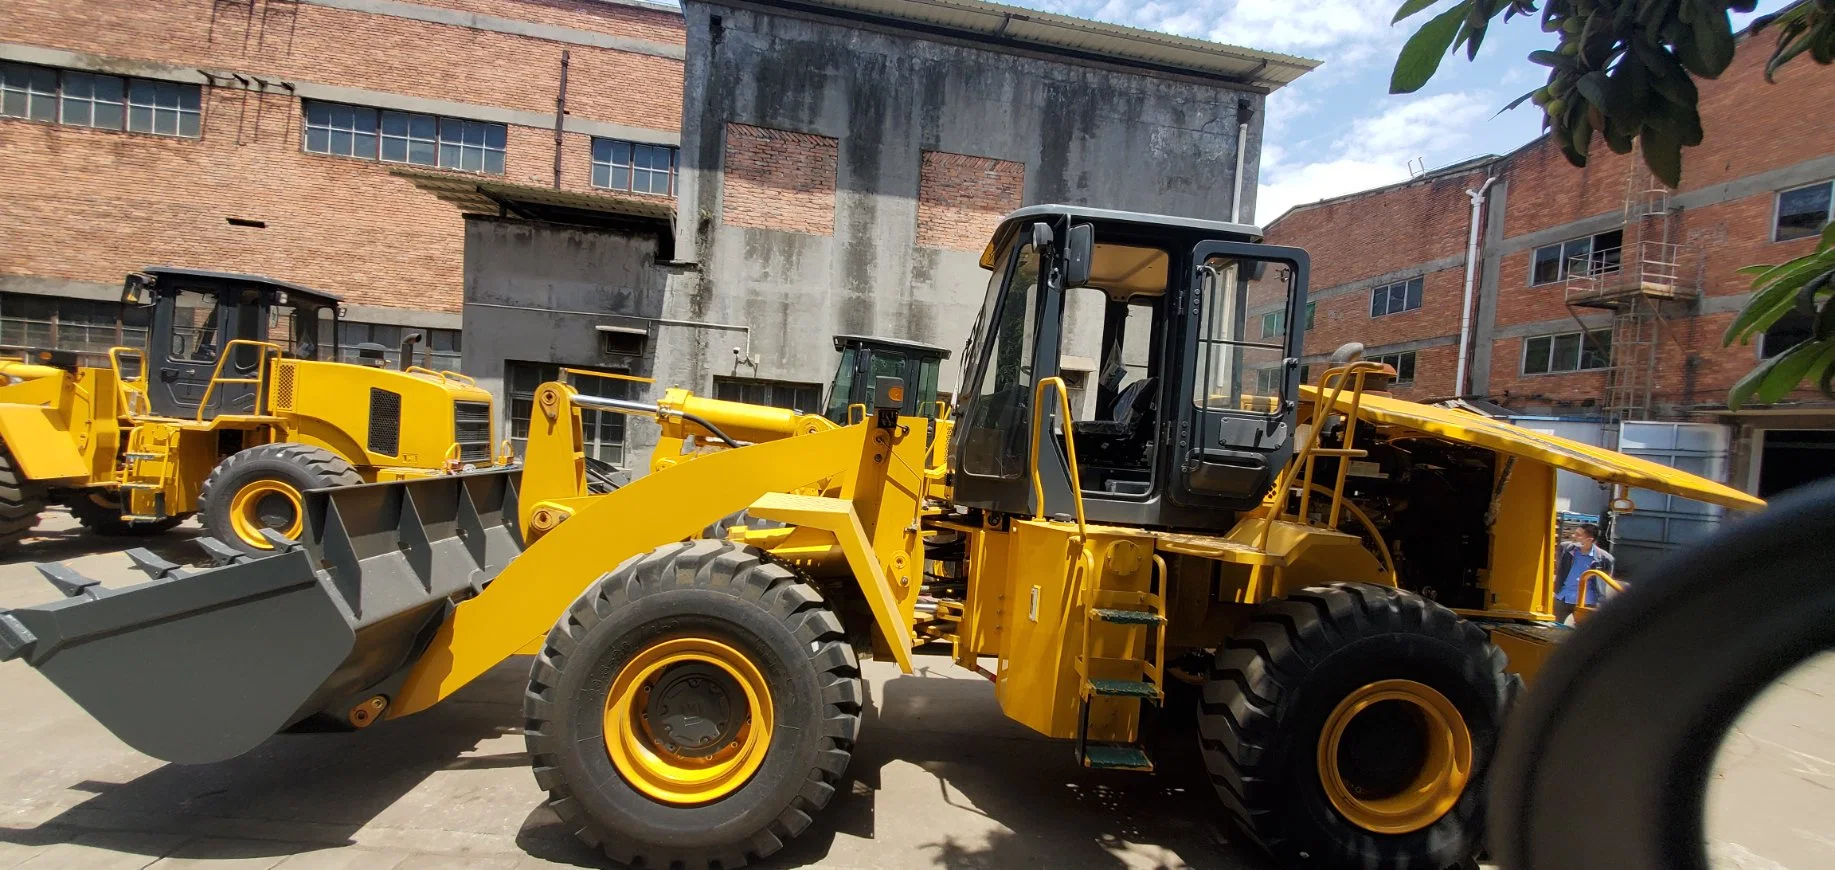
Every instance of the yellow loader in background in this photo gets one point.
(236, 407)
(1341, 572)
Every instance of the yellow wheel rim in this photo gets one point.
(688, 720)
(266, 504)
(1394, 756)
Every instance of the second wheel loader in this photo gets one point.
(1356, 583)
(236, 406)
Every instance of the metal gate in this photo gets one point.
(1664, 522)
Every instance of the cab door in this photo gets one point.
(991, 448)
(1240, 373)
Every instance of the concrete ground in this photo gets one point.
(939, 779)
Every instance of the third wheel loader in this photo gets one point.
(1356, 583)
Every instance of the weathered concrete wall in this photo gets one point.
(1084, 134)
(534, 293)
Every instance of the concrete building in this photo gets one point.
(698, 195)
(1598, 297)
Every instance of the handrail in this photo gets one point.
(1593, 573)
(127, 394)
(850, 413)
(1070, 451)
(449, 375)
(261, 367)
(1310, 450)
(1363, 519)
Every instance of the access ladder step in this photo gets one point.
(1126, 617)
(1113, 757)
(1124, 688)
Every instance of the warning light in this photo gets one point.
(896, 394)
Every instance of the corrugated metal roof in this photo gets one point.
(1049, 31)
(476, 195)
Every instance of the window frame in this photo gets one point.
(1419, 285)
(1777, 209)
(593, 423)
(1581, 352)
(134, 95)
(631, 169)
(451, 140)
(1393, 360)
(1564, 257)
(775, 386)
(1274, 323)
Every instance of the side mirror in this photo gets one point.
(1042, 236)
(134, 290)
(1080, 246)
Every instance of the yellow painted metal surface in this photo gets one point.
(521, 604)
(986, 609)
(1446, 764)
(40, 443)
(649, 759)
(1038, 683)
(1523, 538)
(554, 459)
(1526, 647)
(837, 517)
(330, 408)
(1594, 462)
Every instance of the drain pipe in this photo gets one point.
(1471, 276)
(1243, 113)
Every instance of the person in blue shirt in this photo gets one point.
(1576, 557)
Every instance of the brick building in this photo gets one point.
(265, 136)
(1597, 296)
(699, 194)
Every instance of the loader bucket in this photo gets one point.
(200, 665)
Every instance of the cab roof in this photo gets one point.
(917, 347)
(1152, 224)
(228, 280)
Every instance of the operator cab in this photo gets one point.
(1187, 413)
(866, 358)
(197, 314)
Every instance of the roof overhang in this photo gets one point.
(489, 197)
(1014, 27)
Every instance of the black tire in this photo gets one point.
(298, 466)
(1274, 685)
(100, 513)
(21, 501)
(703, 588)
(716, 530)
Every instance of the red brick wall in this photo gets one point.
(91, 205)
(779, 180)
(962, 198)
(1389, 230)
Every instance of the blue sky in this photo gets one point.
(1338, 130)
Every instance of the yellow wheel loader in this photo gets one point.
(236, 407)
(1355, 584)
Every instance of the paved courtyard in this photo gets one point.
(939, 779)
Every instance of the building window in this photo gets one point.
(1270, 381)
(1396, 298)
(1792, 329)
(103, 102)
(404, 137)
(1403, 363)
(602, 431)
(1274, 324)
(1311, 309)
(634, 166)
(439, 349)
(88, 327)
(1567, 352)
(1587, 255)
(1803, 212)
(1306, 374)
(795, 395)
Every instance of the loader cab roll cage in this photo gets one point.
(1171, 341)
(866, 358)
(223, 327)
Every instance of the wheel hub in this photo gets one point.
(692, 709)
(266, 504)
(1394, 756)
(688, 720)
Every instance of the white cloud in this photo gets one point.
(1375, 151)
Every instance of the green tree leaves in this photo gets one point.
(1805, 286)
(1421, 56)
